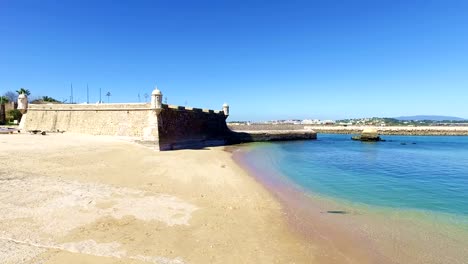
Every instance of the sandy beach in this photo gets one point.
(68, 198)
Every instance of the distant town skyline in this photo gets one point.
(267, 59)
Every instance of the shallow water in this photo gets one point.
(411, 191)
(425, 173)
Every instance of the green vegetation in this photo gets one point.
(50, 99)
(24, 91)
(46, 100)
(14, 114)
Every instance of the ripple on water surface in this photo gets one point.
(402, 201)
(405, 172)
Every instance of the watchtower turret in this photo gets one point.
(22, 103)
(156, 99)
(226, 109)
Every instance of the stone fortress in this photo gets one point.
(166, 127)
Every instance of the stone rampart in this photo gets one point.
(181, 127)
(167, 127)
(95, 119)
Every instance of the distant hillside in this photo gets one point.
(429, 117)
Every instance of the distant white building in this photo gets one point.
(328, 122)
(310, 122)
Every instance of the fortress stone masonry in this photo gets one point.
(163, 126)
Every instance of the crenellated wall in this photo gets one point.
(164, 127)
(169, 127)
(181, 127)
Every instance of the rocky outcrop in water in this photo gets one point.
(368, 134)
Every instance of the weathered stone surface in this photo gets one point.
(181, 128)
(95, 119)
(165, 128)
(22, 103)
(272, 135)
(368, 134)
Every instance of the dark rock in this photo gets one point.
(337, 212)
(368, 134)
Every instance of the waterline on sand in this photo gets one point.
(362, 233)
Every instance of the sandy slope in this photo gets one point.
(82, 199)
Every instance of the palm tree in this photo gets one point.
(108, 94)
(50, 99)
(23, 91)
(4, 100)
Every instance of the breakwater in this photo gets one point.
(270, 135)
(390, 130)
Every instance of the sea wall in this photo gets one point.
(165, 128)
(181, 127)
(260, 126)
(397, 130)
(94, 119)
(271, 135)
(337, 129)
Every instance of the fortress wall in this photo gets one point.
(181, 127)
(161, 126)
(169, 127)
(102, 119)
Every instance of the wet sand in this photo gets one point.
(355, 233)
(84, 199)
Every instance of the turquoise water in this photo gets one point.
(426, 173)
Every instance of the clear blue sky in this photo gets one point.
(267, 59)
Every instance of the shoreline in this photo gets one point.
(382, 130)
(308, 219)
(364, 234)
(97, 199)
(69, 198)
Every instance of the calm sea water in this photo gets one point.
(423, 173)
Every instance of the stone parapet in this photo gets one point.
(88, 107)
(166, 126)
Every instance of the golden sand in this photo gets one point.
(84, 199)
